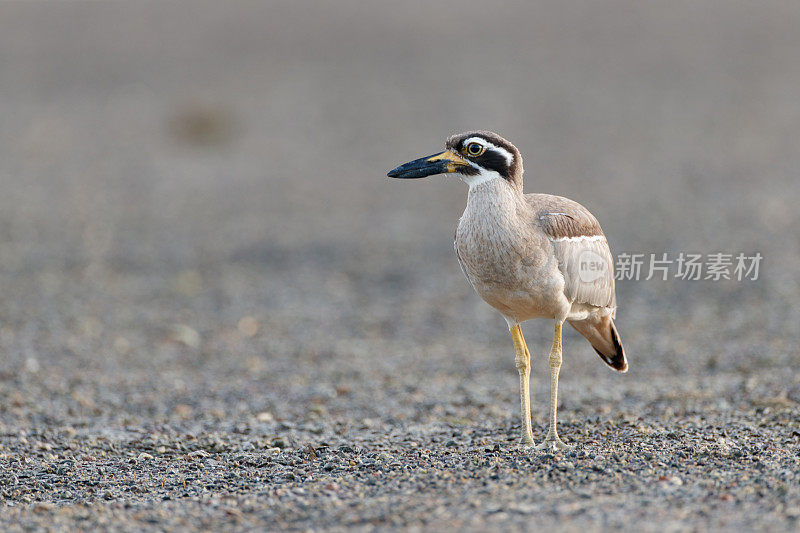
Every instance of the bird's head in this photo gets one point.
(476, 156)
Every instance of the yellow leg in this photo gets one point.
(552, 441)
(523, 361)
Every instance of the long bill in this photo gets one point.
(443, 163)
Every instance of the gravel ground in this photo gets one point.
(217, 313)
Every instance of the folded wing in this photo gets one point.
(581, 249)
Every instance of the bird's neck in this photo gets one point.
(495, 200)
(492, 177)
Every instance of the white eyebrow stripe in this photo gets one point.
(499, 149)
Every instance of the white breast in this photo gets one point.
(510, 265)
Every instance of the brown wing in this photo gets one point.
(581, 249)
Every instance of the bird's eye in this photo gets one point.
(475, 149)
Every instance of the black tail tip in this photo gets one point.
(617, 361)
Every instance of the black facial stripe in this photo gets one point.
(494, 160)
(468, 170)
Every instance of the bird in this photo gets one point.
(528, 256)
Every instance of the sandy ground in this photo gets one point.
(216, 311)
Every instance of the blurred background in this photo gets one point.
(196, 225)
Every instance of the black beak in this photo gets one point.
(419, 168)
(441, 163)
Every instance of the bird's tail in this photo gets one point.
(604, 338)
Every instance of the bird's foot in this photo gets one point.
(526, 442)
(553, 443)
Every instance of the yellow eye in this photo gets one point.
(474, 149)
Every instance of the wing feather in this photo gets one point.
(582, 251)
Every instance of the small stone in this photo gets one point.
(32, 365)
(247, 326)
(122, 346)
(264, 417)
(183, 411)
(186, 335)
